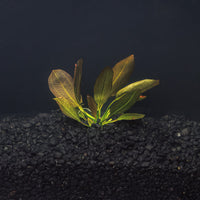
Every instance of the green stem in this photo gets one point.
(98, 120)
(87, 114)
(98, 114)
(84, 124)
(108, 122)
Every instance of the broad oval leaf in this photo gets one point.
(77, 79)
(92, 105)
(61, 85)
(121, 73)
(67, 108)
(121, 104)
(103, 86)
(142, 85)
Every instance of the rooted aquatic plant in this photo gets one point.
(109, 84)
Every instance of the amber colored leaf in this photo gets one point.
(143, 85)
(67, 108)
(61, 85)
(77, 79)
(92, 105)
(121, 73)
(103, 86)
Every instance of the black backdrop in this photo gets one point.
(38, 36)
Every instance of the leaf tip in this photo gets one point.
(157, 82)
(54, 70)
(131, 57)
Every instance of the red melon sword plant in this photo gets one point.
(110, 83)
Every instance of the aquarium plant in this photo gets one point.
(109, 85)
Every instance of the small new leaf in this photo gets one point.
(142, 97)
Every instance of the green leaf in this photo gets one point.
(77, 79)
(121, 104)
(130, 116)
(67, 108)
(103, 86)
(142, 85)
(92, 105)
(61, 85)
(126, 116)
(121, 73)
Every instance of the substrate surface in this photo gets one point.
(51, 157)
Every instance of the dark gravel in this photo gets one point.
(51, 157)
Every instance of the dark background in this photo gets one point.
(38, 36)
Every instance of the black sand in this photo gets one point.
(51, 157)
